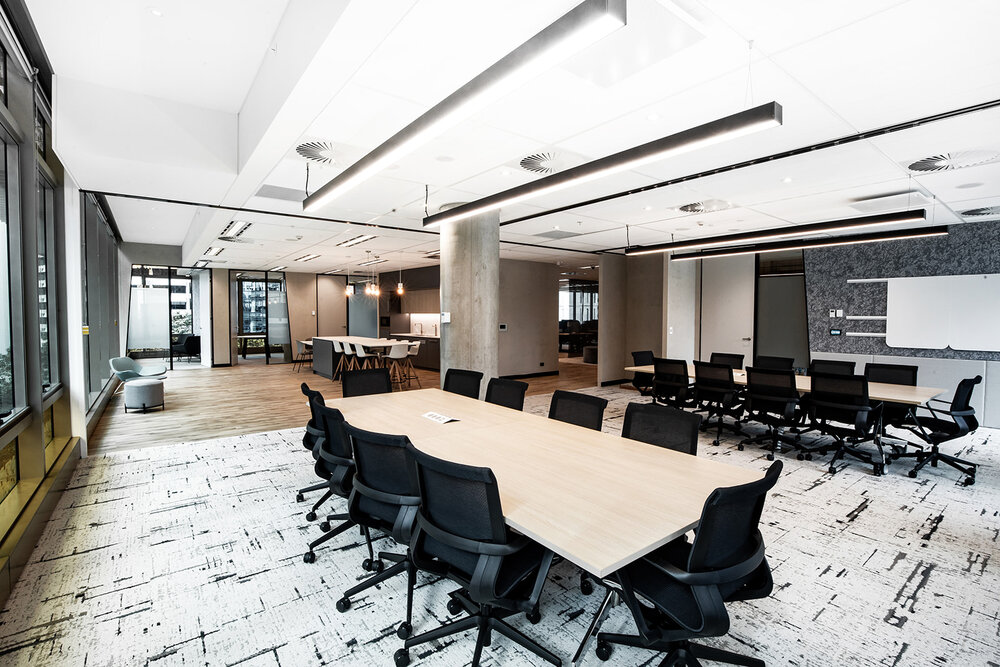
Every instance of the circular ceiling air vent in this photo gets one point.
(542, 163)
(955, 160)
(234, 239)
(707, 206)
(316, 151)
(981, 212)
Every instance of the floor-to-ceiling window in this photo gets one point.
(101, 290)
(45, 231)
(169, 314)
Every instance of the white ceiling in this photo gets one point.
(836, 68)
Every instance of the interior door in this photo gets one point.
(727, 306)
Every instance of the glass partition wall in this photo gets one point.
(170, 315)
(259, 317)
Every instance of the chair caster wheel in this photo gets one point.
(969, 481)
(533, 616)
(366, 565)
(800, 457)
(912, 474)
(603, 651)
(404, 630)
(299, 497)
(809, 457)
(309, 557)
(401, 657)
(586, 586)
(740, 447)
(454, 606)
(715, 442)
(832, 470)
(878, 469)
(378, 566)
(343, 604)
(325, 526)
(770, 457)
(311, 516)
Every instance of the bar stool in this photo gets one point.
(349, 361)
(396, 360)
(411, 372)
(340, 362)
(363, 359)
(303, 353)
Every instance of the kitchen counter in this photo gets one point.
(416, 335)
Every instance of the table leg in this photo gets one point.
(595, 624)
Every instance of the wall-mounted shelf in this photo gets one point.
(866, 334)
(867, 317)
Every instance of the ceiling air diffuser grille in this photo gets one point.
(954, 160)
(981, 212)
(707, 206)
(316, 151)
(542, 163)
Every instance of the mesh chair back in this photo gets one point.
(462, 500)
(728, 528)
(335, 460)
(314, 425)
(463, 382)
(508, 393)
(892, 374)
(381, 463)
(770, 390)
(643, 358)
(962, 402)
(735, 361)
(663, 426)
(831, 367)
(774, 363)
(366, 381)
(838, 398)
(580, 409)
(713, 382)
(670, 379)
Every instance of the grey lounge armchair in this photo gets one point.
(129, 369)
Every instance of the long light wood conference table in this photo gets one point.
(596, 499)
(877, 391)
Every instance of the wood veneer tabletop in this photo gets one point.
(877, 391)
(598, 500)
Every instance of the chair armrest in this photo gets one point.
(714, 577)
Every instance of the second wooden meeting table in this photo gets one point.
(877, 391)
(596, 499)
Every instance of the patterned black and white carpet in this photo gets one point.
(191, 554)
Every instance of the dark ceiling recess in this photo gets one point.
(954, 160)
(316, 151)
(541, 163)
(981, 212)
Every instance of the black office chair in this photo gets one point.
(773, 400)
(508, 393)
(764, 362)
(178, 349)
(684, 587)
(735, 361)
(366, 381)
(717, 393)
(936, 430)
(314, 433)
(663, 426)
(831, 367)
(893, 414)
(384, 497)
(643, 381)
(576, 408)
(839, 407)
(671, 383)
(463, 382)
(461, 534)
(335, 462)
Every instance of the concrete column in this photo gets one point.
(470, 294)
(612, 292)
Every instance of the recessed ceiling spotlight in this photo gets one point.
(647, 208)
(155, 12)
(786, 179)
(505, 172)
(968, 186)
(954, 160)
(444, 158)
(555, 227)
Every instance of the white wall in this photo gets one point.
(727, 305)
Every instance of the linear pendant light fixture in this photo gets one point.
(805, 244)
(849, 224)
(739, 124)
(580, 27)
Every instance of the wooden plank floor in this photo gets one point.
(204, 403)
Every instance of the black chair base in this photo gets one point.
(300, 494)
(968, 468)
(776, 440)
(485, 619)
(310, 556)
(848, 448)
(716, 420)
(678, 653)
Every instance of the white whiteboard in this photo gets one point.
(935, 312)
